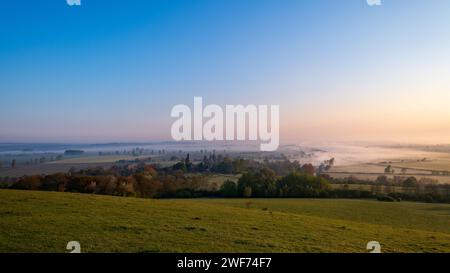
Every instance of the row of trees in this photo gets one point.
(265, 183)
(139, 185)
(185, 179)
(227, 165)
(280, 178)
(177, 184)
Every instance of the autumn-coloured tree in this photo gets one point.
(308, 169)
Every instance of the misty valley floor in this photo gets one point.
(47, 221)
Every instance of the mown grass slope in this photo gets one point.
(46, 221)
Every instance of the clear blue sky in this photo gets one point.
(112, 70)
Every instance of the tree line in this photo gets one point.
(268, 179)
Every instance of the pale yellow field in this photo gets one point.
(219, 179)
(368, 163)
(435, 164)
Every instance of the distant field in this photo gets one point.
(48, 168)
(46, 221)
(438, 164)
(97, 159)
(373, 168)
(64, 165)
(78, 163)
(403, 167)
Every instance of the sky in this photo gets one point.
(110, 71)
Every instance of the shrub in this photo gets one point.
(429, 199)
(247, 192)
(32, 182)
(228, 189)
(386, 198)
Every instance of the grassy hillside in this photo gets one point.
(46, 221)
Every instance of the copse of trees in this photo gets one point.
(265, 183)
(138, 185)
(299, 184)
(229, 189)
(262, 183)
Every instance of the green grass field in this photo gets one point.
(46, 221)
